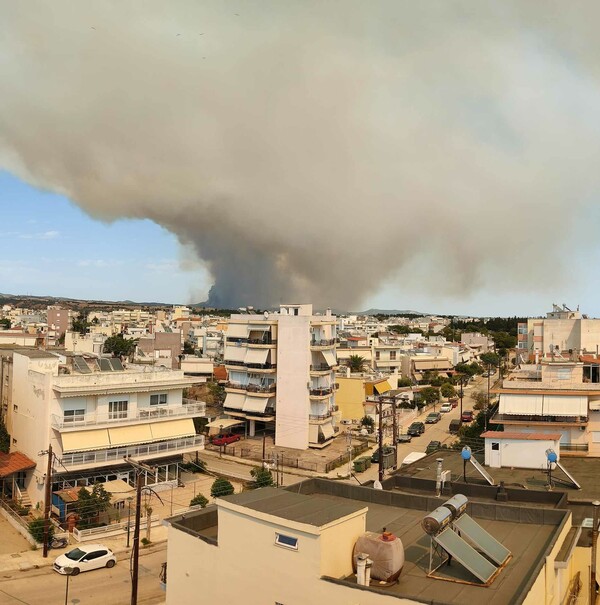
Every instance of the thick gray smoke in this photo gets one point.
(314, 151)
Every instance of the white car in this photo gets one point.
(85, 558)
(446, 407)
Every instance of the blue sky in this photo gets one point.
(48, 246)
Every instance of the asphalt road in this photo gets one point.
(98, 587)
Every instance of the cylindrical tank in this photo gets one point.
(437, 520)
(385, 550)
(457, 505)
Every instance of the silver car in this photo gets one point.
(85, 558)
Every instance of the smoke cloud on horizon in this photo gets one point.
(314, 151)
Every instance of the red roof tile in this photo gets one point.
(13, 463)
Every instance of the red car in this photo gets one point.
(225, 439)
(467, 416)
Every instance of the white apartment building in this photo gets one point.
(282, 373)
(95, 413)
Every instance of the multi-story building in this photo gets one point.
(561, 331)
(554, 397)
(94, 413)
(281, 374)
(58, 321)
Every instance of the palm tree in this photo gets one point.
(356, 363)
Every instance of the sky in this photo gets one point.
(440, 156)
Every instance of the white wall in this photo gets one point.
(519, 453)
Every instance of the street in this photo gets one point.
(98, 587)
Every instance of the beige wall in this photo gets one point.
(350, 398)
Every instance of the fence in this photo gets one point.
(343, 459)
(17, 521)
(114, 529)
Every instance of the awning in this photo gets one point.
(327, 430)
(255, 404)
(418, 376)
(224, 423)
(259, 327)
(235, 401)
(329, 357)
(256, 356)
(130, 435)
(382, 387)
(313, 433)
(82, 441)
(237, 331)
(15, 462)
(234, 353)
(173, 429)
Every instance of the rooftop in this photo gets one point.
(521, 436)
(35, 354)
(14, 463)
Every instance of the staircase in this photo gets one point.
(23, 498)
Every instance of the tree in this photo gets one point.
(36, 529)
(5, 323)
(80, 324)
(188, 348)
(262, 477)
(430, 395)
(481, 400)
(490, 359)
(504, 341)
(216, 393)
(368, 423)
(447, 390)
(91, 503)
(356, 363)
(404, 382)
(4, 438)
(199, 500)
(119, 346)
(221, 487)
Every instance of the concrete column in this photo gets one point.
(252, 428)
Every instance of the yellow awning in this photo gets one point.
(82, 441)
(237, 331)
(234, 353)
(256, 356)
(255, 404)
(329, 357)
(382, 387)
(173, 429)
(235, 401)
(130, 435)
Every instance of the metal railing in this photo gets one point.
(261, 341)
(322, 391)
(124, 417)
(261, 366)
(538, 418)
(328, 342)
(118, 453)
(320, 416)
(322, 367)
(574, 447)
(251, 388)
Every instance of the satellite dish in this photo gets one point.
(377, 484)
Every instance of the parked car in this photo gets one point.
(446, 407)
(85, 558)
(467, 416)
(404, 438)
(416, 429)
(453, 401)
(386, 449)
(225, 439)
(433, 417)
(455, 424)
(433, 446)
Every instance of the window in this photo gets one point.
(158, 399)
(286, 541)
(495, 446)
(564, 374)
(117, 410)
(392, 355)
(74, 415)
(377, 354)
(15, 407)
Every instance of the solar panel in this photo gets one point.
(116, 364)
(566, 472)
(105, 365)
(466, 555)
(482, 540)
(80, 365)
(483, 472)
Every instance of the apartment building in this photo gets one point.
(58, 321)
(281, 374)
(562, 331)
(94, 413)
(554, 397)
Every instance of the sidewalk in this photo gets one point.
(33, 559)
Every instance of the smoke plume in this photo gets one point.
(314, 151)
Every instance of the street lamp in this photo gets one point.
(68, 571)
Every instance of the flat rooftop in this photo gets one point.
(528, 533)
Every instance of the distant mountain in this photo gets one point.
(393, 312)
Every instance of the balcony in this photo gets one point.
(318, 418)
(319, 345)
(261, 367)
(149, 450)
(544, 420)
(320, 369)
(261, 343)
(574, 448)
(196, 408)
(255, 389)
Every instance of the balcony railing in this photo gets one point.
(329, 342)
(251, 388)
(261, 341)
(322, 367)
(574, 447)
(261, 366)
(197, 408)
(525, 418)
(320, 416)
(322, 391)
(118, 453)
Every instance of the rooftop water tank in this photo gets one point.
(457, 505)
(385, 550)
(437, 520)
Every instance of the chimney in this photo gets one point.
(438, 477)
(362, 560)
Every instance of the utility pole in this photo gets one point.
(395, 432)
(461, 396)
(264, 447)
(47, 501)
(380, 440)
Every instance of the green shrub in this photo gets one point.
(36, 529)
(263, 477)
(221, 487)
(199, 500)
